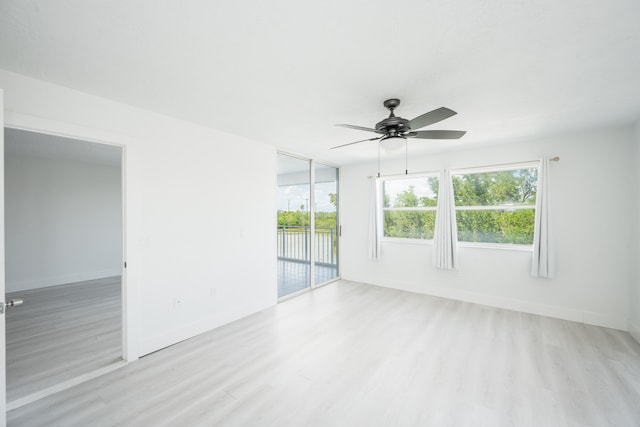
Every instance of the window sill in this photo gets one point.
(499, 246)
(406, 240)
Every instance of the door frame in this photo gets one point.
(338, 219)
(50, 127)
(312, 211)
(3, 330)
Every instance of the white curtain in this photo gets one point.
(445, 241)
(375, 208)
(543, 263)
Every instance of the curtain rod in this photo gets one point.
(552, 159)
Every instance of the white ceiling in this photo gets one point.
(284, 71)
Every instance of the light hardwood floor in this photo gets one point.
(62, 332)
(351, 354)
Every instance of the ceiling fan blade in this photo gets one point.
(431, 117)
(357, 142)
(437, 134)
(360, 128)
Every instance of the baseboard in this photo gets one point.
(176, 335)
(634, 329)
(556, 312)
(26, 285)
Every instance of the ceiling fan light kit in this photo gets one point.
(393, 143)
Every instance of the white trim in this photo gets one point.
(295, 294)
(328, 282)
(497, 168)
(223, 317)
(407, 240)
(500, 246)
(587, 317)
(477, 245)
(413, 208)
(49, 127)
(495, 208)
(303, 157)
(338, 223)
(3, 329)
(398, 177)
(127, 337)
(312, 223)
(472, 169)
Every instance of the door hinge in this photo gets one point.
(125, 264)
(340, 231)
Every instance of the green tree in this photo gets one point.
(333, 199)
(293, 218)
(301, 219)
(502, 188)
(406, 199)
(415, 224)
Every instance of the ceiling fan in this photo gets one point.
(398, 128)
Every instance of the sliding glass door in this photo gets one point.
(325, 223)
(294, 223)
(307, 224)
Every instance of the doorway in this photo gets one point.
(307, 226)
(63, 259)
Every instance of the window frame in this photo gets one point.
(411, 240)
(497, 168)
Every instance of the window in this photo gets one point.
(409, 208)
(496, 206)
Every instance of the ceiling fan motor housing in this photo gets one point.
(393, 126)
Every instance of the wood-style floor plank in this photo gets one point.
(62, 332)
(351, 354)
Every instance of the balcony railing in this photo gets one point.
(294, 244)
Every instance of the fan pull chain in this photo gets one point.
(406, 157)
(378, 159)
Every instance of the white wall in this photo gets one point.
(200, 210)
(63, 221)
(634, 291)
(592, 197)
